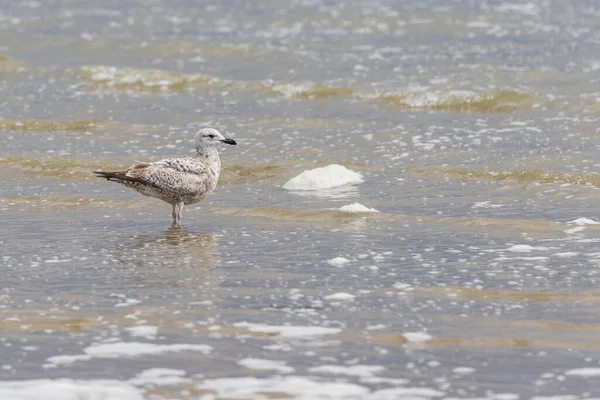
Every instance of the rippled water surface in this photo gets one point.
(473, 123)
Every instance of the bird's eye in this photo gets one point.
(211, 136)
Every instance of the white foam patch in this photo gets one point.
(128, 302)
(584, 372)
(463, 370)
(525, 248)
(126, 349)
(527, 8)
(69, 389)
(584, 221)
(328, 177)
(504, 396)
(340, 296)
(132, 349)
(485, 204)
(575, 230)
(298, 387)
(338, 261)
(160, 377)
(378, 380)
(566, 254)
(357, 208)
(55, 260)
(405, 393)
(401, 285)
(289, 331)
(261, 364)
(64, 360)
(145, 331)
(363, 371)
(417, 337)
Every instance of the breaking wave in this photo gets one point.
(459, 101)
(144, 79)
(462, 101)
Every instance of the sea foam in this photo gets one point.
(357, 208)
(69, 389)
(328, 177)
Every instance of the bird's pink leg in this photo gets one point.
(179, 211)
(174, 214)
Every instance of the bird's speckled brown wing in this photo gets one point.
(177, 177)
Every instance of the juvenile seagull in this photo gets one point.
(177, 181)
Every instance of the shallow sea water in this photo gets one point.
(473, 124)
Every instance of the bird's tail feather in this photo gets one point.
(116, 175)
(121, 176)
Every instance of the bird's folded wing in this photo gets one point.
(172, 176)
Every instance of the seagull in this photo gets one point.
(178, 181)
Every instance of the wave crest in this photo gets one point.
(49, 125)
(146, 79)
(536, 175)
(461, 101)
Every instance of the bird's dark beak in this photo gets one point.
(229, 141)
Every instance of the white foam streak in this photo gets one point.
(584, 221)
(584, 372)
(363, 371)
(124, 349)
(298, 387)
(261, 364)
(69, 389)
(289, 331)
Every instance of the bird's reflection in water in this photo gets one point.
(176, 247)
(165, 271)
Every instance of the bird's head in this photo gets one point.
(207, 137)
